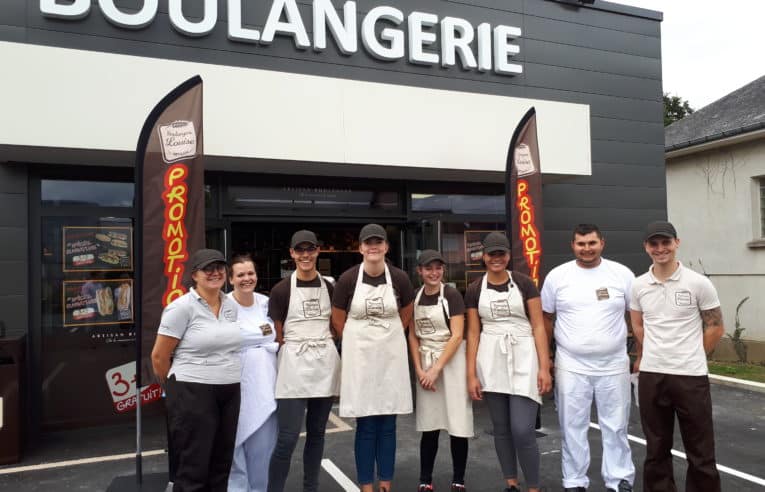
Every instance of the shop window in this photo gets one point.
(59, 192)
(311, 200)
(458, 204)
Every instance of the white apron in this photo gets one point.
(375, 370)
(258, 372)
(309, 365)
(449, 407)
(507, 357)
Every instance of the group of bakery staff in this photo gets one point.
(242, 371)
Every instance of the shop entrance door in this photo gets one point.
(269, 242)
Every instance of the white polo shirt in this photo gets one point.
(590, 306)
(208, 347)
(673, 330)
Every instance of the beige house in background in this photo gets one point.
(715, 161)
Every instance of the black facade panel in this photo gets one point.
(16, 270)
(13, 245)
(14, 34)
(626, 130)
(14, 309)
(564, 55)
(628, 153)
(606, 197)
(14, 12)
(592, 82)
(611, 219)
(591, 17)
(604, 106)
(13, 210)
(609, 173)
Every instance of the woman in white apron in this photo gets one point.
(308, 379)
(256, 432)
(508, 361)
(371, 305)
(438, 353)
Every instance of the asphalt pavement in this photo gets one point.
(95, 459)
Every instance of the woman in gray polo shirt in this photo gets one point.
(196, 358)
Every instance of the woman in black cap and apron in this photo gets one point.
(309, 366)
(371, 305)
(508, 360)
(438, 353)
(196, 358)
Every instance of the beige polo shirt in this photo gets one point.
(673, 331)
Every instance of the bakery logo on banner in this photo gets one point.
(524, 163)
(122, 385)
(178, 141)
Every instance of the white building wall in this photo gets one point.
(713, 201)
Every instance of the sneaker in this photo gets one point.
(512, 488)
(624, 486)
(425, 487)
(457, 487)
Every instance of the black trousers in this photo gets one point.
(662, 396)
(202, 421)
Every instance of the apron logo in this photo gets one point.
(375, 306)
(500, 309)
(425, 326)
(311, 308)
(683, 298)
(602, 294)
(266, 329)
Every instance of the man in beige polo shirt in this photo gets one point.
(677, 321)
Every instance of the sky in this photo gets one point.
(709, 48)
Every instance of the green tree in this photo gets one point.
(675, 108)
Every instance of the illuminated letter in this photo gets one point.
(235, 30)
(484, 47)
(503, 49)
(195, 29)
(135, 20)
(395, 36)
(456, 36)
(293, 27)
(76, 10)
(419, 38)
(344, 34)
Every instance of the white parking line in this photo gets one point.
(340, 477)
(680, 454)
(83, 461)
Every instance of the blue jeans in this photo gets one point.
(375, 443)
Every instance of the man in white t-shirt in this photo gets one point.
(677, 321)
(588, 299)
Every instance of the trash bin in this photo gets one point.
(12, 350)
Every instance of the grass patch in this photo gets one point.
(750, 372)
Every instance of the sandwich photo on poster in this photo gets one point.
(97, 301)
(97, 249)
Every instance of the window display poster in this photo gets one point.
(474, 246)
(105, 248)
(97, 302)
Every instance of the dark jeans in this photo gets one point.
(662, 396)
(202, 421)
(429, 450)
(375, 443)
(289, 414)
(514, 418)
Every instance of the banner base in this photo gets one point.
(152, 482)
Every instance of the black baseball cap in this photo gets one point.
(203, 257)
(659, 228)
(372, 230)
(303, 236)
(428, 256)
(496, 241)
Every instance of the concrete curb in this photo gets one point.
(737, 383)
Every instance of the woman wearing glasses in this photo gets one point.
(196, 358)
(309, 366)
(256, 432)
(371, 306)
(508, 362)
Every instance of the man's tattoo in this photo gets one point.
(711, 318)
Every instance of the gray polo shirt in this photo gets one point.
(208, 350)
(673, 330)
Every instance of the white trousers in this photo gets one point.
(574, 394)
(249, 470)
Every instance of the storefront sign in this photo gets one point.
(97, 301)
(122, 385)
(97, 249)
(430, 40)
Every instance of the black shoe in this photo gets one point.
(624, 486)
(425, 487)
(512, 488)
(457, 487)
